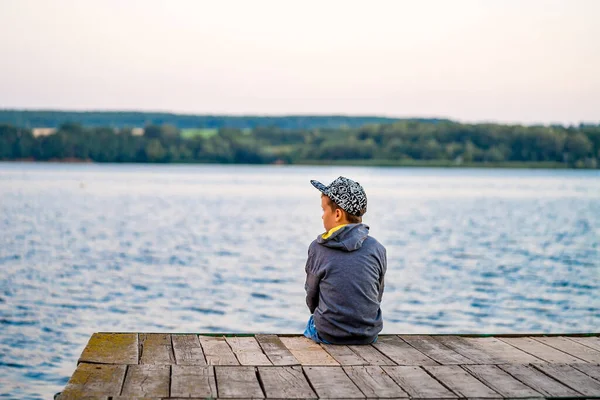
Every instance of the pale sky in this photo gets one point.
(525, 61)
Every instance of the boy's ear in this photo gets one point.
(338, 214)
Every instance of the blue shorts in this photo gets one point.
(311, 332)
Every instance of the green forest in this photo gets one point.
(364, 141)
(123, 119)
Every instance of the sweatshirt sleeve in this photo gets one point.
(382, 276)
(312, 282)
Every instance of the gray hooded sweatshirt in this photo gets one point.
(344, 285)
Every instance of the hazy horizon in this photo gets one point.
(527, 62)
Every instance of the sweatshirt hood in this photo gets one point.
(348, 238)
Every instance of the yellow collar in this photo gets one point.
(326, 235)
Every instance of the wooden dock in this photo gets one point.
(168, 366)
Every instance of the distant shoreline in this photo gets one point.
(405, 143)
(54, 161)
(349, 163)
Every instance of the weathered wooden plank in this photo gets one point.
(501, 381)
(332, 383)
(111, 348)
(538, 381)
(572, 378)
(285, 383)
(276, 350)
(435, 350)
(151, 380)
(467, 349)
(248, 351)
(371, 355)
(187, 350)
(193, 381)
(374, 382)
(94, 380)
(78, 397)
(502, 352)
(592, 370)
(589, 341)
(307, 352)
(217, 351)
(570, 347)
(418, 383)
(344, 355)
(401, 352)
(540, 350)
(156, 349)
(238, 382)
(461, 382)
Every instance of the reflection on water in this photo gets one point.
(87, 248)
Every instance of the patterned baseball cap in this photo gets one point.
(346, 193)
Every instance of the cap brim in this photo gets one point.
(319, 186)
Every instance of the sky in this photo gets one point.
(507, 61)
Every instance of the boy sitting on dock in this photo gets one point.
(345, 270)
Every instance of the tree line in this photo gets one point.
(403, 142)
(122, 119)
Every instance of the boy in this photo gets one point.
(344, 270)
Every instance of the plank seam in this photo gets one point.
(260, 382)
(393, 380)
(484, 382)
(342, 365)
(234, 353)
(489, 359)
(124, 377)
(585, 373)
(296, 362)
(170, 378)
(351, 380)
(516, 378)
(216, 380)
(583, 344)
(173, 351)
(309, 382)
(97, 363)
(514, 347)
(475, 362)
(437, 380)
(140, 349)
(201, 348)
(383, 354)
(561, 350)
(557, 380)
(524, 351)
(358, 355)
(410, 345)
(264, 354)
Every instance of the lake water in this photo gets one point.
(170, 248)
